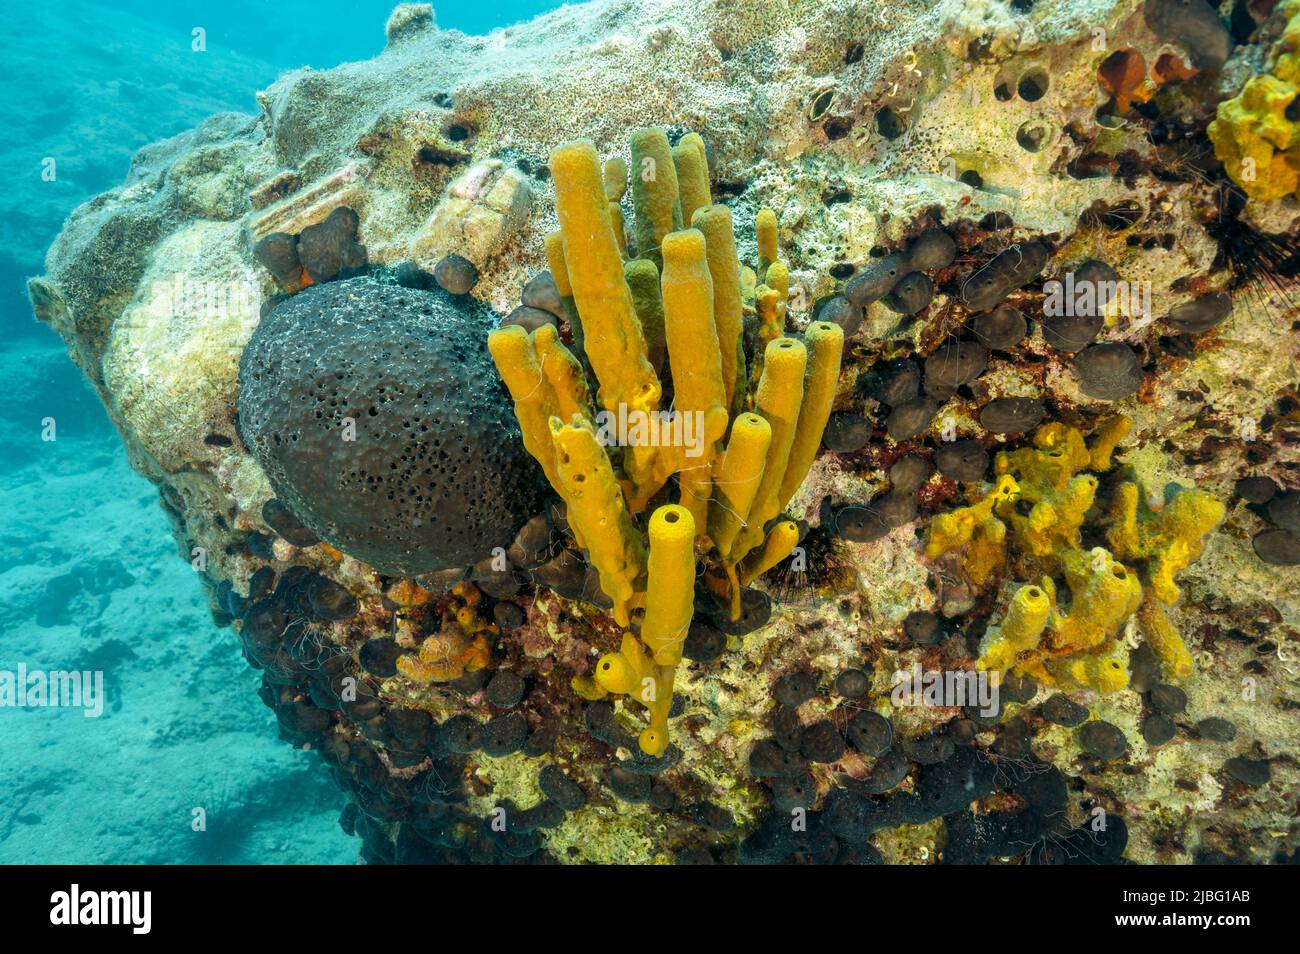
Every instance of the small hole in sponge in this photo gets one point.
(1032, 86)
(889, 124)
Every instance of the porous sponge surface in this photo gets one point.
(436, 474)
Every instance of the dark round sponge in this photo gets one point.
(437, 474)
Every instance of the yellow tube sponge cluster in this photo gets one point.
(779, 397)
(664, 314)
(1054, 493)
(1168, 539)
(1030, 525)
(1044, 640)
(612, 335)
(824, 342)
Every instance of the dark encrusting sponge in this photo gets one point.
(436, 475)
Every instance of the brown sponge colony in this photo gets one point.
(377, 414)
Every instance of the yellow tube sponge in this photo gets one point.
(825, 343)
(696, 140)
(765, 231)
(1112, 431)
(698, 388)
(987, 551)
(714, 221)
(955, 528)
(631, 672)
(559, 268)
(597, 511)
(736, 475)
(655, 205)
(560, 273)
(1057, 455)
(771, 320)
(692, 178)
(670, 584)
(779, 398)
(614, 175)
(1169, 539)
(1153, 623)
(1105, 672)
(1103, 595)
(1021, 629)
(612, 337)
(1036, 637)
(778, 279)
(643, 280)
(1053, 522)
(615, 343)
(627, 672)
(518, 364)
(780, 543)
(1123, 533)
(653, 739)
(563, 373)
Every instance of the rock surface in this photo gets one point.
(440, 145)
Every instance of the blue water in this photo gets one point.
(181, 765)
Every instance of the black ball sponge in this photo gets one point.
(436, 474)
